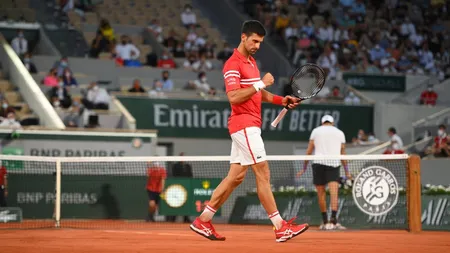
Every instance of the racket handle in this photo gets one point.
(279, 117)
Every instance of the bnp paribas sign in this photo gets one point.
(209, 119)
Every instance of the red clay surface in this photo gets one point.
(168, 237)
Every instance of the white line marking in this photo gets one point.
(147, 233)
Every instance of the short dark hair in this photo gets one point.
(253, 26)
(442, 126)
(392, 130)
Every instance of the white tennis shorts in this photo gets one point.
(247, 146)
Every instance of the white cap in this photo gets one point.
(328, 118)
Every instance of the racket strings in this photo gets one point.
(308, 81)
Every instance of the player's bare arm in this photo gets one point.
(309, 151)
(241, 95)
(344, 162)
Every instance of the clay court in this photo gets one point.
(246, 238)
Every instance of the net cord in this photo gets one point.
(197, 158)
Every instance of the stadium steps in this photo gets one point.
(15, 100)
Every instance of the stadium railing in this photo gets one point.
(109, 192)
(29, 89)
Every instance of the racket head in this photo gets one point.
(307, 81)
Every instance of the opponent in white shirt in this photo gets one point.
(327, 140)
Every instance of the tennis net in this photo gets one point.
(110, 192)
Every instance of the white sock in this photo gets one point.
(208, 213)
(276, 219)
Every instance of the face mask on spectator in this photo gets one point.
(430, 89)
(64, 64)
(203, 79)
(56, 103)
(188, 10)
(440, 132)
(165, 57)
(95, 88)
(27, 60)
(5, 105)
(61, 84)
(21, 35)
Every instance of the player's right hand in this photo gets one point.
(268, 79)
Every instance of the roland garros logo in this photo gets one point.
(375, 190)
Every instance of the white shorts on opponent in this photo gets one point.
(247, 146)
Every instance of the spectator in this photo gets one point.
(157, 90)
(227, 51)
(282, 21)
(179, 51)
(11, 122)
(29, 65)
(59, 96)
(155, 28)
(336, 93)
(377, 53)
(51, 79)
(126, 52)
(396, 143)
(68, 78)
(166, 61)
(5, 109)
(291, 35)
(188, 17)
(167, 84)
(189, 62)
(440, 147)
(352, 99)
(328, 61)
(362, 137)
(73, 119)
(200, 84)
(202, 64)
(20, 44)
(61, 65)
(96, 98)
(137, 87)
(106, 31)
(428, 97)
(426, 58)
(99, 44)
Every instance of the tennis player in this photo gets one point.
(245, 91)
(156, 177)
(327, 140)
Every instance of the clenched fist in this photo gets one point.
(268, 79)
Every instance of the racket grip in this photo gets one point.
(279, 117)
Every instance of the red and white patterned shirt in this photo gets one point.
(240, 72)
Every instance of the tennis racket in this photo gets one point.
(306, 82)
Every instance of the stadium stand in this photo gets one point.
(365, 36)
(16, 11)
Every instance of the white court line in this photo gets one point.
(147, 233)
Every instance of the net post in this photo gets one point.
(58, 194)
(414, 195)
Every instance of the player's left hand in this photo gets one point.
(291, 102)
(348, 175)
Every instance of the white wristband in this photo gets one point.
(259, 85)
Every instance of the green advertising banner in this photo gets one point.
(372, 82)
(187, 196)
(90, 196)
(209, 119)
(435, 212)
(82, 196)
